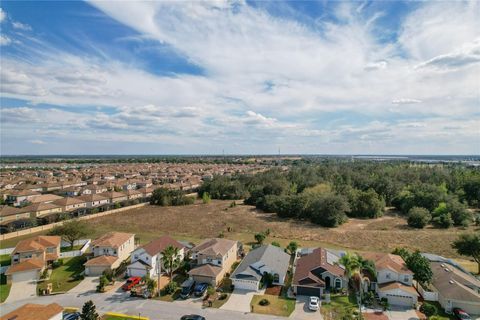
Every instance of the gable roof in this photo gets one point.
(387, 261)
(454, 284)
(158, 245)
(91, 197)
(37, 243)
(266, 258)
(113, 194)
(67, 201)
(206, 270)
(397, 285)
(45, 198)
(112, 239)
(101, 261)
(6, 211)
(32, 311)
(319, 258)
(26, 265)
(36, 207)
(214, 247)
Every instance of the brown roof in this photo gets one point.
(159, 244)
(26, 265)
(214, 247)
(45, 198)
(67, 201)
(206, 270)
(315, 260)
(101, 261)
(9, 211)
(112, 194)
(112, 239)
(132, 192)
(36, 207)
(387, 261)
(37, 243)
(22, 193)
(91, 197)
(397, 285)
(32, 311)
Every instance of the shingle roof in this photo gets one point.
(158, 245)
(214, 247)
(91, 197)
(45, 198)
(29, 264)
(67, 201)
(317, 259)
(37, 243)
(112, 239)
(32, 311)
(101, 261)
(387, 261)
(397, 285)
(206, 270)
(454, 284)
(9, 211)
(40, 207)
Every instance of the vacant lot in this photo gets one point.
(200, 221)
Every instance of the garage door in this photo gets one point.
(134, 272)
(307, 291)
(95, 270)
(245, 284)
(25, 276)
(397, 300)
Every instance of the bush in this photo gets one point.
(418, 217)
(170, 288)
(223, 296)
(264, 302)
(58, 263)
(428, 309)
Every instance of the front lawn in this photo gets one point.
(118, 316)
(277, 306)
(340, 306)
(179, 279)
(63, 277)
(4, 288)
(225, 288)
(66, 249)
(5, 260)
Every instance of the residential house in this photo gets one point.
(42, 210)
(214, 258)
(114, 197)
(393, 279)
(133, 194)
(146, 192)
(264, 259)
(145, 259)
(45, 198)
(18, 197)
(13, 217)
(31, 256)
(72, 205)
(30, 311)
(318, 271)
(94, 200)
(109, 251)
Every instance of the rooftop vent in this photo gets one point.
(451, 282)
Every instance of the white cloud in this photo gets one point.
(405, 101)
(3, 15)
(4, 40)
(21, 26)
(37, 142)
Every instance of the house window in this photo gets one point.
(276, 278)
(388, 276)
(338, 283)
(406, 279)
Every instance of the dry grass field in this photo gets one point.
(200, 221)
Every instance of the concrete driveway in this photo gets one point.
(302, 312)
(88, 285)
(22, 290)
(240, 300)
(398, 313)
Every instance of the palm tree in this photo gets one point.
(355, 268)
(170, 259)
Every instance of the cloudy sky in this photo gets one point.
(110, 77)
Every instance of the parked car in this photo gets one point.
(461, 314)
(131, 282)
(187, 288)
(200, 289)
(314, 303)
(192, 317)
(71, 316)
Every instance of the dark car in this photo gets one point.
(200, 289)
(187, 288)
(460, 314)
(192, 317)
(71, 316)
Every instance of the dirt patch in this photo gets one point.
(199, 221)
(274, 291)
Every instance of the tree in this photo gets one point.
(366, 204)
(469, 245)
(260, 237)
(442, 217)
(89, 311)
(459, 213)
(267, 279)
(418, 217)
(276, 244)
(71, 231)
(206, 198)
(292, 247)
(328, 210)
(170, 259)
(420, 266)
(428, 309)
(402, 252)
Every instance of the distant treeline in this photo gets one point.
(329, 192)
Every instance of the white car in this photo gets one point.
(314, 303)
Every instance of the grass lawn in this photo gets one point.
(4, 260)
(226, 287)
(62, 277)
(441, 314)
(4, 288)
(112, 316)
(66, 249)
(278, 306)
(339, 306)
(179, 279)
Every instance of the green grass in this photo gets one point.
(4, 288)
(179, 279)
(5, 260)
(441, 314)
(339, 306)
(279, 306)
(62, 277)
(110, 317)
(66, 249)
(226, 287)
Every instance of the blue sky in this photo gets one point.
(379, 77)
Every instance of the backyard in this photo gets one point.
(65, 277)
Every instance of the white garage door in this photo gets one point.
(398, 300)
(25, 276)
(245, 284)
(134, 272)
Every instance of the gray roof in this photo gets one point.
(266, 258)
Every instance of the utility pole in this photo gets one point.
(159, 271)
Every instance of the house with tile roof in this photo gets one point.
(145, 258)
(31, 311)
(13, 217)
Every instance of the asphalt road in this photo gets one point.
(122, 303)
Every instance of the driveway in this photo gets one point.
(399, 313)
(240, 300)
(88, 285)
(302, 312)
(22, 290)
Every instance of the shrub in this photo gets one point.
(223, 296)
(264, 302)
(418, 217)
(428, 309)
(170, 288)
(56, 264)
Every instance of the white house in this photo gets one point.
(144, 259)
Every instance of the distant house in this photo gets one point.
(30, 311)
(109, 251)
(214, 258)
(13, 217)
(94, 200)
(45, 198)
(264, 259)
(133, 194)
(144, 259)
(317, 272)
(18, 197)
(393, 279)
(114, 197)
(42, 210)
(31, 256)
(72, 205)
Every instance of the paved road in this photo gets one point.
(123, 303)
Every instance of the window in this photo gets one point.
(338, 283)
(406, 279)
(388, 276)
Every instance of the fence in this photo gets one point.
(76, 253)
(28, 231)
(6, 251)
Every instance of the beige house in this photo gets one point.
(109, 251)
(45, 198)
(214, 258)
(40, 210)
(133, 194)
(114, 197)
(94, 200)
(17, 197)
(10, 215)
(31, 256)
(70, 204)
